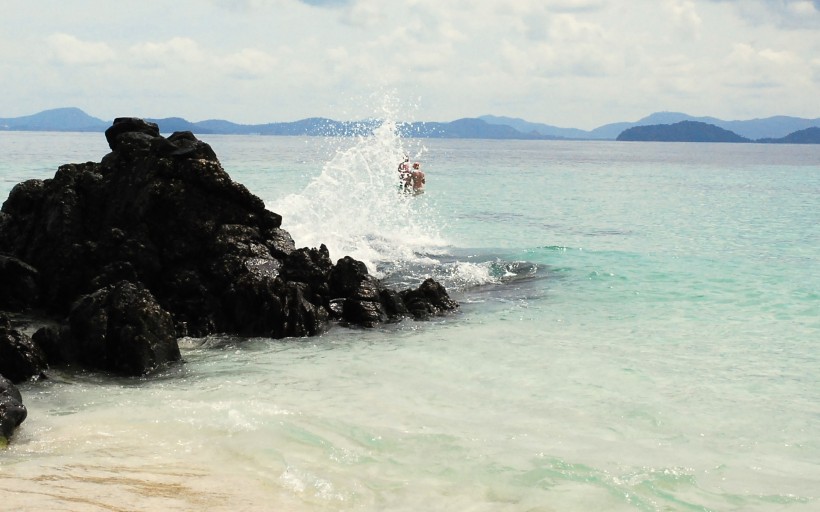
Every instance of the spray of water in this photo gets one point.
(355, 207)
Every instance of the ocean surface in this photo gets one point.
(639, 331)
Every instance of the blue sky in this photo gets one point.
(571, 63)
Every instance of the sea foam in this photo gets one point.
(355, 207)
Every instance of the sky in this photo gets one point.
(568, 63)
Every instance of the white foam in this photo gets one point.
(355, 206)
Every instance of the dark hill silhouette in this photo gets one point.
(683, 131)
(807, 136)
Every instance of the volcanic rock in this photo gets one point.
(20, 358)
(120, 329)
(19, 282)
(157, 235)
(12, 410)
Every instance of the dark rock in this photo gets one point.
(310, 266)
(393, 304)
(50, 341)
(303, 316)
(120, 329)
(163, 214)
(129, 125)
(159, 220)
(350, 280)
(367, 303)
(363, 307)
(346, 276)
(20, 358)
(429, 299)
(19, 282)
(12, 410)
(186, 145)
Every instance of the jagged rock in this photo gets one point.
(394, 305)
(158, 211)
(12, 410)
(129, 125)
(163, 214)
(310, 266)
(365, 302)
(303, 317)
(19, 282)
(20, 358)
(429, 299)
(346, 276)
(361, 305)
(121, 329)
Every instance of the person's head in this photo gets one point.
(415, 165)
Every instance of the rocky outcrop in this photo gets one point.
(12, 410)
(119, 328)
(428, 300)
(156, 242)
(20, 358)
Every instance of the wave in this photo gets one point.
(356, 209)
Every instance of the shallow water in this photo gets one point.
(638, 331)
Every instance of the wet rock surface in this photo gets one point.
(12, 410)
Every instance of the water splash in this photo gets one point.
(355, 207)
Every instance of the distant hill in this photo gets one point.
(485, 127)
(176, 124)
(696, 131)
(682, 131)
(538, 128)
(74, 119)
(612, 130)
(770, 127)
(55, 120)
(807, 136)
(467, 128)
(318, 126)
(773, 127)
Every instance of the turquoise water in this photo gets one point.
(639, 330)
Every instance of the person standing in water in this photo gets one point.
(412, 180)
(404, 174)
(417, 179)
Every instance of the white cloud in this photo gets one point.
(567, 62)
(804, 8)
(789, 14)
(568, 28)
(176, 51)
(748, 66)
(248, 63)
(70, 50)
(685, 17)
(371, 14)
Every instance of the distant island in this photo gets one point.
(75, 120)
(807, 136)
(753, 129)
(666, 126)
(696, 131)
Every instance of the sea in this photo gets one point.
(639, 330)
